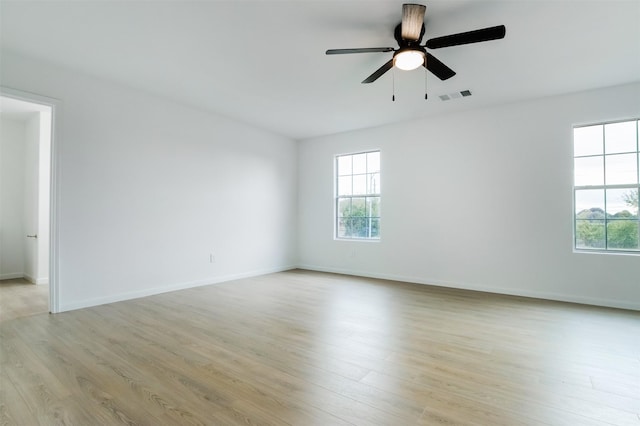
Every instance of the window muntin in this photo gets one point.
(607, 186)
(357, 202)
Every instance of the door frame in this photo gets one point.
(54, 186)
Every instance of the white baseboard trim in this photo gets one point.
(25, 276)
(11, 276)
(168, 288)
(609, 303)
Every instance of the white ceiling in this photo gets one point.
(263, 62)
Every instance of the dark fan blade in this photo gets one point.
(376, 75)
(362, 50)
(412, 20)
(484, 34)
(438, 69)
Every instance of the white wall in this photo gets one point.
(149, 188)
(12, 159)
(479, 200)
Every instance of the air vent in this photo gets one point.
(455, 95)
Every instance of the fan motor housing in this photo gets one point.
(397, 34)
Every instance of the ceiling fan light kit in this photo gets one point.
(411, 54)
(409, 59)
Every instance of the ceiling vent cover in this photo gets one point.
(455, 95)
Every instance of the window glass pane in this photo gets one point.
(355, 227)
(590, 234)
(373, 162)
(359, 184)
(344, 165)
(359, 164)
(360, 227)
(358, 207)
(621, 169)
(373, 183)
(590, 204)
(344, 207)
(374, 228)
(344, 185)
(620, 137)
(587, 140)
(373, 206)
(632, 197)
(622, 234)
(622, 203)
(588, 171)
(344, 225)
(590, 218)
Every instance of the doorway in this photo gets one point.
(26, 141)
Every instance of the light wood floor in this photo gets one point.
(305, 348)
(20, 298)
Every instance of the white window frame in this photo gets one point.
(367, 195)
(604, 187)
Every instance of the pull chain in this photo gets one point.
(393, 79)
(425, 84)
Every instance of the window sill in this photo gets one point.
(608, 252)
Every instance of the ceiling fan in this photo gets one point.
(411, 54)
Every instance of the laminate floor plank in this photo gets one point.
(273, 374)
(309, 348)
(159, 388)
(13, 409)
(20, 298)
(188, 370)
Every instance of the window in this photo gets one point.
(357, 204)
(606, 168)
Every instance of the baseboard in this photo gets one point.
(608, 303)
(463, 286)
(165, 289)
(27, 277)
(11, 276)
